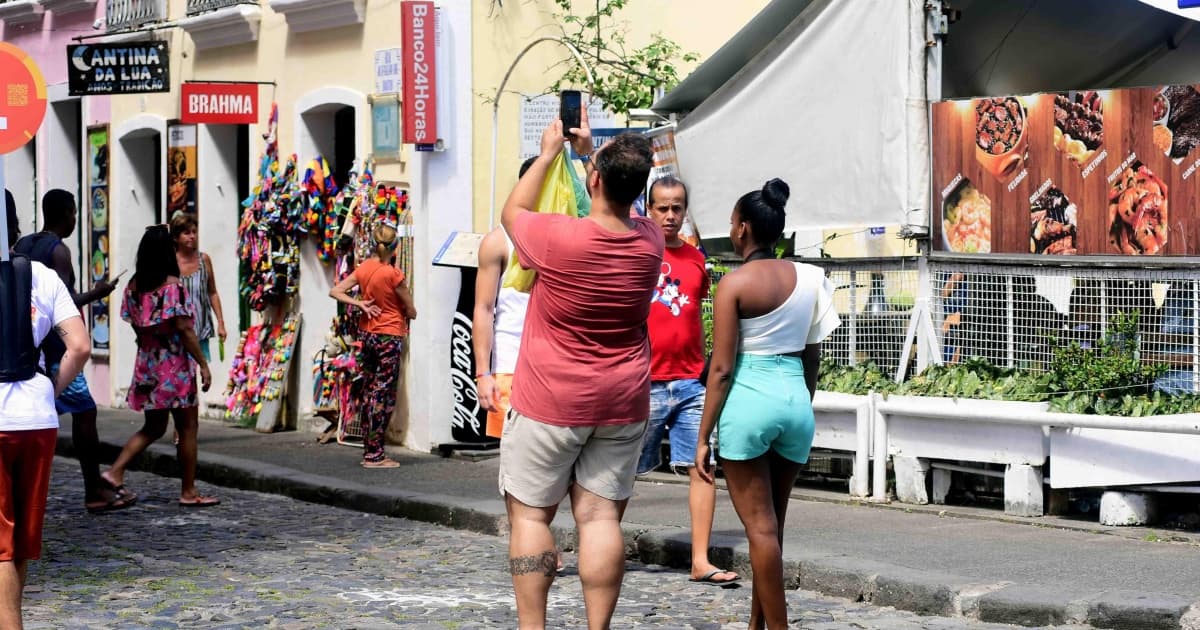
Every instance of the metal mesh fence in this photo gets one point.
(1015, 316)
(873, 296)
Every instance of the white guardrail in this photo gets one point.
(963, 410)
(837, 403)
(871, 430)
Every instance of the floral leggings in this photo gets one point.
(379, 363)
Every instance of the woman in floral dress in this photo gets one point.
(164, 374)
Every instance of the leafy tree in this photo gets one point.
(625, 78)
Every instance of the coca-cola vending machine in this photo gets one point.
(467, 428)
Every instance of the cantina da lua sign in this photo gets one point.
(125, 68)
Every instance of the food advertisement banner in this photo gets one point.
(97, 204)
(181, 169)
(1105, 173)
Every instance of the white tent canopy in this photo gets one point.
(830, 95)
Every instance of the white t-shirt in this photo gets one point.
(29, 405)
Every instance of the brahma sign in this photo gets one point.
(219, 103)
(419, 67)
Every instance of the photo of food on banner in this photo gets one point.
(1000, 140)
(967, 220)
(1079, 124)
(1176, 113)
(1053, 223)
(1137, 212)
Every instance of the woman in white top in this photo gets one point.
(768, 321)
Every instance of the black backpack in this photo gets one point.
(40, 248)
(18, 354)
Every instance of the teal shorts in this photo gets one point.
(768, 409)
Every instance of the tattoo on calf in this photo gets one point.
(545, 563)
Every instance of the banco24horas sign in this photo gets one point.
(125, 68)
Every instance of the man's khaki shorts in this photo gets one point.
(539, 461)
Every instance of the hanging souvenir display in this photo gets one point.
(321, 217)
(268, 246)
(404, 230)
(258, 375)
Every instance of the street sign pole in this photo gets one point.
(22, 108)
(3, 221)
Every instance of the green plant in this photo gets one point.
(1108, 379)
(976, 378)
(717, 270)
(859, 379)
(625, 78)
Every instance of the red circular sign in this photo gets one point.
(22, 98)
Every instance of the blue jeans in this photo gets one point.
(675, 409)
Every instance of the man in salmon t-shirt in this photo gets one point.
(581, 391)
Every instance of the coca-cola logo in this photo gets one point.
(466, 397)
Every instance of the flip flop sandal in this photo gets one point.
(200, 502)
(121, 492)
(117, 502)
(707, 578)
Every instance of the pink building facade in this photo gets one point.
(55, 157)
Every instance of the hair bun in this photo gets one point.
(776, 193)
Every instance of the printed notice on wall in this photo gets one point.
(538, 111)
(387, 71)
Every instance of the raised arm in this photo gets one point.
(492, 253)
(61, 257)
(524, 195)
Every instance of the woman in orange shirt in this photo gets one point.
(387, 307)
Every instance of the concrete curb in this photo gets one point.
(880, 584)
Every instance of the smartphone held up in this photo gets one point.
(570, 102)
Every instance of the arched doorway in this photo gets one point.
(137, 198)
(330, 122)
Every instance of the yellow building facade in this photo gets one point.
(316, 59)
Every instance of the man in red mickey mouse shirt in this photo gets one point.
(676, 360)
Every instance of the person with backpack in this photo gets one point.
(33, 302)
(49, 248)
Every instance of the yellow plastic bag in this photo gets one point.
(556, 197)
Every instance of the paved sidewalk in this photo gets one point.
(938, 561)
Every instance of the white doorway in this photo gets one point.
(223, 172)
(330, 122)
(61, 153)
(20, 178)
(137, 190)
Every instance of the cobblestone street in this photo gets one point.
(261, 560)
